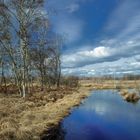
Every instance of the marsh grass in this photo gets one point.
(109, 84)
(33, 117)
(29, 118)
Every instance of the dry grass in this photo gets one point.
(30, 118)
(27, 119)
(130, 96)
(110, 84)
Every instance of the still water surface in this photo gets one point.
(103, 116)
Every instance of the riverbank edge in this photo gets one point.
(68, 103)
(32, 118)
(83, 92)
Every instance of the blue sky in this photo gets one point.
(102, 37)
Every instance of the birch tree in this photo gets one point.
(23, 14)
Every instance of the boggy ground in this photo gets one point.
(30, 118)
(34, 117)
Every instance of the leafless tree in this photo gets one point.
(28, 44)
(23, 14)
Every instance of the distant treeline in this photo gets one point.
(124, 77)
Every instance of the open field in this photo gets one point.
(110, 84)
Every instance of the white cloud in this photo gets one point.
(99, 52)
(119, 53)
(109, 54)
(79, 57)
(118, 67)
(124, 59)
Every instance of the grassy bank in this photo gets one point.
(28, 119)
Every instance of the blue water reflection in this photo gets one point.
(104, 116)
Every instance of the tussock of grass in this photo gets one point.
(130, 97)
(27, 119)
